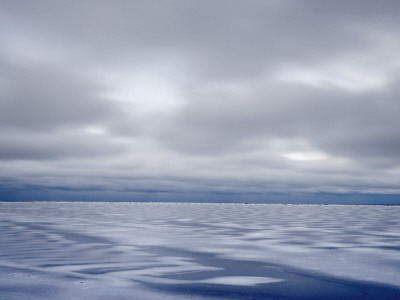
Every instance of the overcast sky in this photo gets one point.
(199, 100)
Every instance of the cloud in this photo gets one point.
(200, 97)
(42, 97)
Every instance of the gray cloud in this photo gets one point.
(38, 96)
(221, 39)
(57, 145)
(338, 122)
(212, 96)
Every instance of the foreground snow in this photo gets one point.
(192, 251)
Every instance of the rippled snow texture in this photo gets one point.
(53, 250)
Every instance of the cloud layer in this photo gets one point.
(200, 98)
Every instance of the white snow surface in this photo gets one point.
(61, 250)
(240, 280)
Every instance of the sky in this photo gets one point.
(180, 100)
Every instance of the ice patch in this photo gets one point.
(240, 280)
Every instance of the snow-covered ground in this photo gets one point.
(55, 250)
